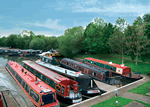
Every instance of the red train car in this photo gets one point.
(41, 94)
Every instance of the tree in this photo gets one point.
(146, 18)
(37, 43)
(146, 51)
(96, 36)
(121, 24)
(117, 40)
(117, 43)
(52, 42)
(136, 41)
(70, 42)
(138, 21)
(20, 42)
(11, 41)
(2, 41)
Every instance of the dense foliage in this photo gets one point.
(97, 38)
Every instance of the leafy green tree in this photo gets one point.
(20, 43)
(147, 30)
(121, 24)
(146, 51)
(11, 41)
(52, 42)
(146, 18)
(37, 43)
(96, 36)
(117, 43)
(138, 21)
(3, 41)
(136, 41)
(70, 42)
(117, 40)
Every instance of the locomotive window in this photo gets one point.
(88, 61)
(94, 63)
(63, 89)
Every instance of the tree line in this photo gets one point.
(98, 37)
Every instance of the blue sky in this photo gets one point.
(53, 17)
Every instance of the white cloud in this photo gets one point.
(49, 23)
(117, 7)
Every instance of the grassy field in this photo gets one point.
(142, 89)
(111, 102)
(121, 102)
(144, 68)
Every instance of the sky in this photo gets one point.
(53, 17)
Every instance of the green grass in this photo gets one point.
(111, 102)
(121, 102)
(142, 89)
(115, 58)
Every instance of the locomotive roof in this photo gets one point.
(85, 65)
(29, 78)
(106, 62)
(49, 73)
